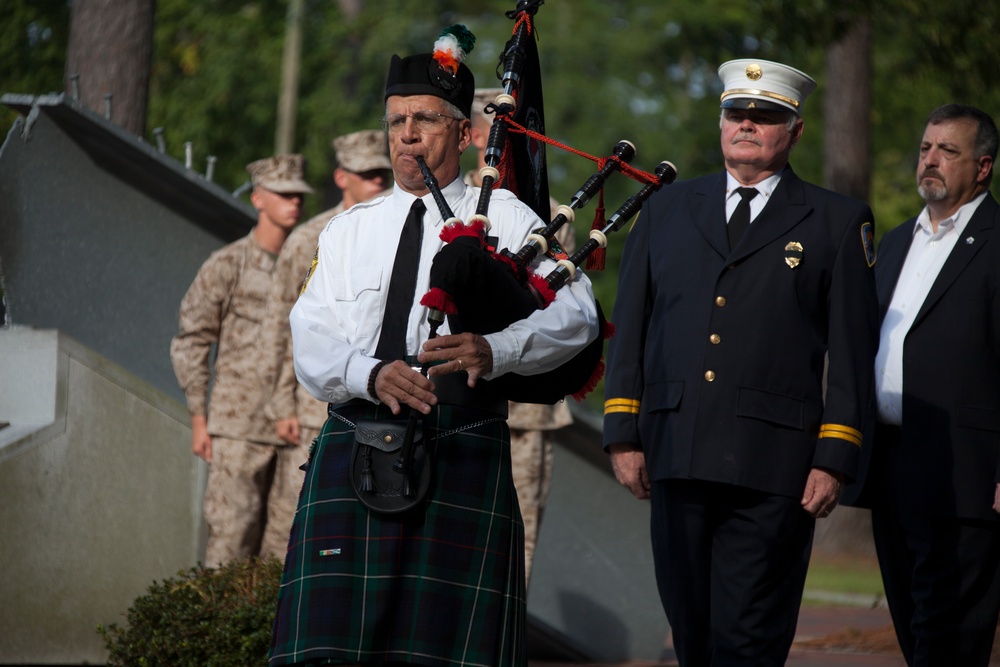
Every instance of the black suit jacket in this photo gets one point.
(948, 461)
(716, 366)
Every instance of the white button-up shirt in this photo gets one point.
(337, 320)
(927, 254)
(764, 191)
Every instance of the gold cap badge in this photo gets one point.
(769, 85)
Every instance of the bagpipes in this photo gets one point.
(467, 284)
(485, 292)
(482, 292)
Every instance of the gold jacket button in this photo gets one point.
(715, 338)
(710, 375)
(720, 301)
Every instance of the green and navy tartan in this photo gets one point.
(442, 585)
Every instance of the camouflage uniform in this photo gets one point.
(531, 435)
(358, 152)
(254, 478)
(289, 398)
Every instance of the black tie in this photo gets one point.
(741, 216)
(402, 285)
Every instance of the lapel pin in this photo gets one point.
(970, 240)
(793, 254)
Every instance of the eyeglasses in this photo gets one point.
(428, 122)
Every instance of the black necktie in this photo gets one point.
(741, 216)
(402, 285)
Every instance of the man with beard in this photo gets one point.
(932, 480)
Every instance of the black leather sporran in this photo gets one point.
(385, 480)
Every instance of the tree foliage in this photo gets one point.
(925, 53)
(611, 69)
(33, 38)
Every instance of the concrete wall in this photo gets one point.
(99, 496)
(101, 235)
(592, 581)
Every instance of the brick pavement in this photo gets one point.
(829, 623)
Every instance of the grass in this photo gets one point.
(842, 578)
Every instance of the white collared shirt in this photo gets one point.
(927, 254)
(764, 191)
(337, 320)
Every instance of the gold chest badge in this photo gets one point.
(793, 254)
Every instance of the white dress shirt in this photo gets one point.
(337, 320)
(764, 191)
(927, 254)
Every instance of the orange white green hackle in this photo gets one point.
(452, 46)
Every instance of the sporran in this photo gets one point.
(385, 480)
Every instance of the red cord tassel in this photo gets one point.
(595, 262)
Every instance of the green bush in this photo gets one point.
(203, 618)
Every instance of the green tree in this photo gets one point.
(216, 68)
(924, 54)
(611, 69)
(33, 35)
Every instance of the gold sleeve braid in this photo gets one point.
(842, 432)
(628, 405)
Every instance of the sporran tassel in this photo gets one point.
(367, 482)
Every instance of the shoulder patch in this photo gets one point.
(312, 268)
(868, 243)
(555, 251)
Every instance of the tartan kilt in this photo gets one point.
(439, 585)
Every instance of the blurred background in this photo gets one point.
(242, 79)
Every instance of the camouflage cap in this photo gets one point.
(280, 173)
(363, 151)
(481, 99)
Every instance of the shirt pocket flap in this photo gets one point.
(348, 286)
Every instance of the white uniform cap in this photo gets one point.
(762, 84)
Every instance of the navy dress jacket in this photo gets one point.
(716, 368)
